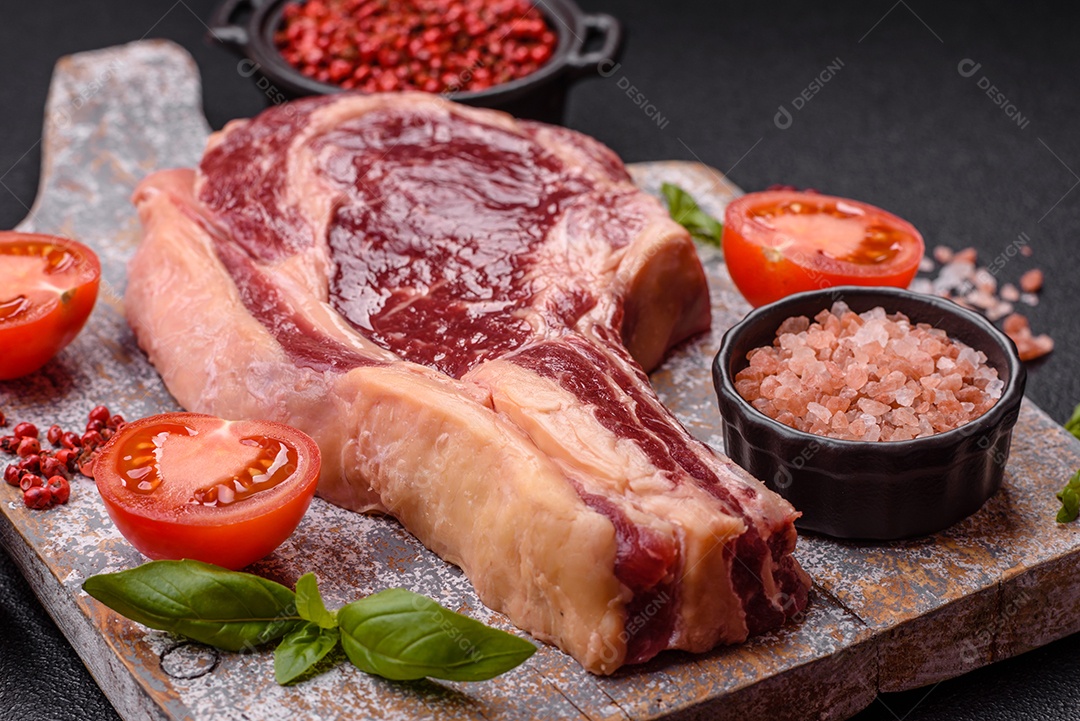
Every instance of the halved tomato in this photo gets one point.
(780, 242)
(48, 286)
(186, 485)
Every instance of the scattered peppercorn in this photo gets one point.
(430, 45)
(30, 480)
(31, 463)
(52, 466)
(25, 430)
(68, 457)
(38, 497)
(28, 446)
(99, 414)
(60, 488)
(35, 464)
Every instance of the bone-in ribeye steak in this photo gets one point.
(458, 307)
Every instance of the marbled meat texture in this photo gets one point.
(460, 308)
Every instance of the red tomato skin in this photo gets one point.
(235, 546)
(29, 345)
(764, 276)
(234, 542)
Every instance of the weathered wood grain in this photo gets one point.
(882, 617)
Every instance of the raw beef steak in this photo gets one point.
(459, 307)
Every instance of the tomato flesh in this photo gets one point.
(185, 485)
(48, 286)
(781, 242)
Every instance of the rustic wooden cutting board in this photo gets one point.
(882, 617)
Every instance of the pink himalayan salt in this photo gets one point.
(868, 376)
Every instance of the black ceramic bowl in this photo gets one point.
(862, 489)
(248, 27)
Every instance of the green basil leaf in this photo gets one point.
(686, 212)
(299, 651)
(1073, 424)
(402, 635)
(1070, 500)
(225, 609)
(309, 603)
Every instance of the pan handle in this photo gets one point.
(223, 27)
(610, 31)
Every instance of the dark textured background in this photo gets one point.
(897, 126)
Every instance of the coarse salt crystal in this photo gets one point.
(921, 285)
(871, 376)
(1031, 281)
(905, 417)
(819, 410)
(856, 376)
(872, 332)
(943, 254)
(872, 407)
(794, 325)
